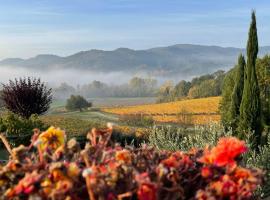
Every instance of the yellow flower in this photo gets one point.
(73, 170)
(46, 185)
(52, 138)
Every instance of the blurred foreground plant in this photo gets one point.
(174, 139)
(53, 168)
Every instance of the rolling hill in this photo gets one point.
(185, 59)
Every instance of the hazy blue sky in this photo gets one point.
(63, 27)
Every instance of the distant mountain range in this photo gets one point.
(185, 59)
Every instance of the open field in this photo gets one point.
(109, 102)
(197, 111)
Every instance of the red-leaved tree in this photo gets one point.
(27, 96)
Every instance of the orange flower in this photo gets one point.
(206, 172)
(225, 152)
(57, 175)
(171, 162)
(225, 187)
(147, 191)
(176, 159)
(241, 173)
(123, 156)
(63, 186)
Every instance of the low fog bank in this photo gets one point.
(65, 83)
(86, 83)
(89, 84)
(76, 77)
(71, 76)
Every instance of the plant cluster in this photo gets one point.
(19, 129)
(26, 96)
(174, 139)
(53, 168)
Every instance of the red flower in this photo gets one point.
(171, 162)
(225, 152)
(206, 172)
(147, 191)
(25, 185)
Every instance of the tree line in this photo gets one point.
(136, 87)
(203, 86)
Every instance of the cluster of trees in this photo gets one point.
(246, 92)
(203, 86)
(137, 87)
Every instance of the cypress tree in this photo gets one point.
(236, 97)
(250, 109)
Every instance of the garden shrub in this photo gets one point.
(261, 160)
(176, 138)
(53, 168)
(26, 96)
(18, 129)
(129, 136)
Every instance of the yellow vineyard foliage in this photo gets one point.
(193, 119)
(195, 111)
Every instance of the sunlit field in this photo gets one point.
(198, 111)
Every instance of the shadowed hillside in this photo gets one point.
(185, 59)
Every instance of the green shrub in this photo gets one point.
(174, 138)
(137, 120)
(18, 129)
(133, 136)
(261, 159)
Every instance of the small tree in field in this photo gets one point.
(26, 96)
(77, 103)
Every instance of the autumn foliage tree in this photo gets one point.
(26, 96)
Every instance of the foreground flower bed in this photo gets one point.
(53, 168)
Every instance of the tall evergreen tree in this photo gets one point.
(236, 97)
(250, 109)
(225, 103)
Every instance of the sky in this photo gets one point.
(64, 27)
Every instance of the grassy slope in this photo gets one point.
(80, 122)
